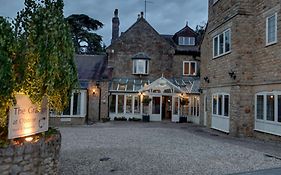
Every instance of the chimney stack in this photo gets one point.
(115, 26)
(141, 14)
(186, 23)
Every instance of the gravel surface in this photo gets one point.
(160, 148)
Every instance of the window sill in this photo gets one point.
(270, 44)
(140, 74)
(224, 54)
(220, 116)
(191, 75)
(268, 122)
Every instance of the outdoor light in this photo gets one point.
(207, 79)
(28, 139)
(94, 91)
(232, 75)
(271, 96)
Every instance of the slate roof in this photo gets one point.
(92, 67)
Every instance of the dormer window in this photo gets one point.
(186, 41)
(141, 64)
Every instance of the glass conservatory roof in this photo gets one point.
(161, 85)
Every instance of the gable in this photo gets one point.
(141, 34)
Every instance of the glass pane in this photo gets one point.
(221, 39)
(185, 106)
(145, 102)
(155, 105)
(181, 40)
(192, 106)
(227, 41)
(226, 105)
(191, 41)
(120, 103)
(137, 105)
(186, 68)
(176, 105)
(129, 99)
(135, 66)
(76, 103)
(271, 29)
(146, 66)
(270, 108)
(216, 46)
(112, 102)
(192, 68)
(215, 104)
(67, 109)
(279, 108)
(260, 103)
(220, 105)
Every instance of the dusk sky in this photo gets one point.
(167, 17)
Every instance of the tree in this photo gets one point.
(83, 31)
(38, 56)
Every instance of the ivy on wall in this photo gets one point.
(36, 56)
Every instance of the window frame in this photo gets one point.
(145, 70)
(224, 43)
(267, 29)
(189, 65)
(222, 105)
(275, 94)
(186, 41)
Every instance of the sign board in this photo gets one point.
(25, 118)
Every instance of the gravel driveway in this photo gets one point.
(160, 148)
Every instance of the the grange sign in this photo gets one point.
(25, 118)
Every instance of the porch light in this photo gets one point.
(94, 91)
(271, 96)
(28, 139)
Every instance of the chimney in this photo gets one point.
(186, 23)
(141, 14)
(115, 26)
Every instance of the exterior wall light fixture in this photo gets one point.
(207, 79)
(232, 75)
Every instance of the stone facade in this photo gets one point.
(255, 65)
(41, 157)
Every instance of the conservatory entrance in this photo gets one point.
(160, 99)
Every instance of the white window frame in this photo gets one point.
(83, 105)
(224, 39)
(141, 61)
(267, 19)
(264, 94)
(186, 41)
(264, 125)
(189, 64)
(223, 101)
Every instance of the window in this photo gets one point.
(137, 105)
(189, 68)
(76, 105)
(112, 102)
(221, 43)
(140, 66)
(271, 29)
(268, 106)
(186, 41)
(129, 101)
(221, 105)
(120, 103)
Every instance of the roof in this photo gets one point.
(92, 67)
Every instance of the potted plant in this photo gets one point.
(145, 101)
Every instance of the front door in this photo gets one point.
(166, 108)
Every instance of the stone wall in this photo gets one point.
(41, 157)
(256, 66)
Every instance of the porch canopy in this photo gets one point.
(187, 85)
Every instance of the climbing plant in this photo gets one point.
(39, 62)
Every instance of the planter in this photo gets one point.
(183, 120)
(40, 156)
(145, 118)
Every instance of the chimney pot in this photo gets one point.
(141, 14)
(116, 13)
(186, 23)
(115, 26)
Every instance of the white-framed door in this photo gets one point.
(156, 108)
(175, 109)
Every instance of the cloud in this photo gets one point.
(167, 17)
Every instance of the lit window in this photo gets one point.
(189, 68)
(271, 29)
(221, 43)
(186, 41)
(76, 104)
(140, 66)
(221, 105)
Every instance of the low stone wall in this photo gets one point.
(37, 158)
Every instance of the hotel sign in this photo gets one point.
(26, 118)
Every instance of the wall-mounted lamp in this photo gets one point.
(200, 90)
(207, 79)
(94, 91)
(232, 75)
